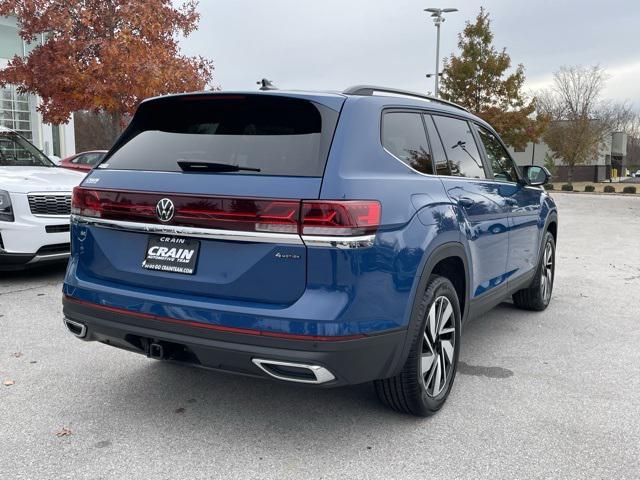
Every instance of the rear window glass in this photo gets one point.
(259, 134)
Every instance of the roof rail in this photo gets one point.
(369, 90)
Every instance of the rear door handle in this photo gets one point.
(466, 202)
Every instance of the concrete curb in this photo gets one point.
(616, 194)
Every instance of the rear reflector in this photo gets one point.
(307, 217)
(208, 326)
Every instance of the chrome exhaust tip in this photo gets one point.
(76, 328)
(294, 372)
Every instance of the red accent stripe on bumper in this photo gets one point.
(218, 328)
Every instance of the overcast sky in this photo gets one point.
(332, 44)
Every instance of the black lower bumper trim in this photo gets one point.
(21, 261)
(15, 261)
(351, 362)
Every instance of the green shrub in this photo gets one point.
(589, 188)
(609, 189)
(629, 189)
(548, 186)
(567, 187)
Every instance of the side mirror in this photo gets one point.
(535, 175)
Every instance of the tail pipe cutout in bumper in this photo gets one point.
(76, 328)
(294, 372)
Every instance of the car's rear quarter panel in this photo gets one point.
(417, 217)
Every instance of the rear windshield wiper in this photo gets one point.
(213, 167)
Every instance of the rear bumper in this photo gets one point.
(350, 361)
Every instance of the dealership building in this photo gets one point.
(18, 111)
(611, 160)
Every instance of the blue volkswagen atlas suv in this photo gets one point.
(319, 238)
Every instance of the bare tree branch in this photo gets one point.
(581, 120)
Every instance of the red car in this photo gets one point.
(83, 161)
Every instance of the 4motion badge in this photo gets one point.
(287, 256)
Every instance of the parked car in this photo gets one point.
(56, 160)
(84, 161)
(35, 202)
(318, 238)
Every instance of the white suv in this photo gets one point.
(35, 202)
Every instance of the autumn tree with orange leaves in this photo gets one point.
(480, 78)
(103, 55)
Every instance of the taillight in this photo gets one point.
(276, 216)
(307, 217)
(243, 214)
(342, 218)
(85, 202)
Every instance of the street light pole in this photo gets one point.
(438, 19)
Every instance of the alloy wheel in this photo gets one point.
(438, 347)
(546, 279)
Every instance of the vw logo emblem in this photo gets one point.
(165, 210)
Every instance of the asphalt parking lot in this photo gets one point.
(538, 395)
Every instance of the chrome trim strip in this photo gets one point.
(343, 243)
(56, 193)
(47, 258)
(363, 241)
(452, 177)
(321, 374)
(206, 233)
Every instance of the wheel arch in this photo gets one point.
(445, 260)
(551, 226)
(440, 261)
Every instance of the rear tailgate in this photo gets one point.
(230, 234)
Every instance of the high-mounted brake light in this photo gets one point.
(307, 217)
(208, 97)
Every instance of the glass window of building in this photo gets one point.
(15, 111)
(10, 42)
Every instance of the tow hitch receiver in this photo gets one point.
(156, 351)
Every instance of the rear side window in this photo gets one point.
(439, 157)
(87, 159)
(404, 136)
(260, 134)
(460, 147)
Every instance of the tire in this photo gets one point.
(538, 296)
(414, 389)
